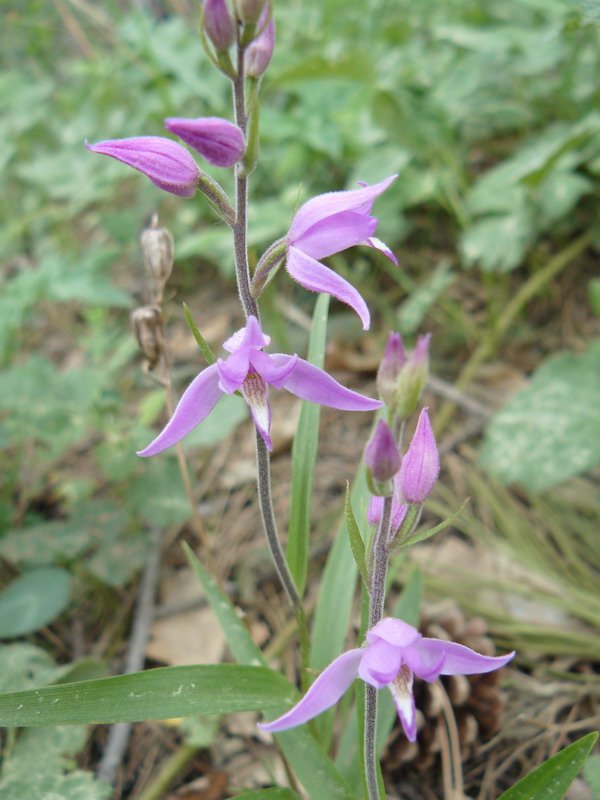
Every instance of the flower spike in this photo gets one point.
(394, 653)
(250, 371)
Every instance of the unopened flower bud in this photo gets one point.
(219, 24)
(381, 454)
(390, 368)
(260, 52)
(157, 247)
(219, 141)
(421, 464)
(148, 329)
(168, 165)
(413, 378)
(250, 10)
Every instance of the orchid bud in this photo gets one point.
(157, 247)
(260, 52)
(412, 378)
(168, 165)
(390, 368)
(250, 10)
(219, 24)
(382, 457)
(421, 464)
(219, 141)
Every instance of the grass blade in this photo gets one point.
(304, 455)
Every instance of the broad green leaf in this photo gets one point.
(41, 766)
(591, 771)
(309, 761)
(551, 430)
(157, 494)
(551, 779)
(356, 541)
(304, 455)
(24, 666)
(33, 600)
(154, 694)
(498, 243)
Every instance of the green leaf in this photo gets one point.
(41, 767)
(154, 694)
(338, 586)
(23, 666)
(356, 541)
(304, 455)
(208, 354)
(414, 309)
(594, 295)
(498, 243)
(33, 600)
(552, 778)
(551, 430)
(244, 650)
(157, 495)
(591, 772)
(421, 536)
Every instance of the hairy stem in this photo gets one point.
(250, 306)
(379, 565)
(269, 524)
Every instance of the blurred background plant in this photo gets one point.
(489, 113)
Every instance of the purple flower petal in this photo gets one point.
(325, 692)
(373, 241)
(314, 384)
(274, 374)
(168, 165)
(458, 659)
(335, 233)
(219, 141)
(255, 392)
(401, 689)
(259, 53)
(380, 663)
(318, 278)
(325, 205)
(394, 631)
(197, 402)
(248, 337)
(233, 370)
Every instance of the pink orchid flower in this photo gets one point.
(328, 224)
(249, 370)
(394, 653)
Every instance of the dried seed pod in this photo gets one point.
(158, 249)
(148, 328)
